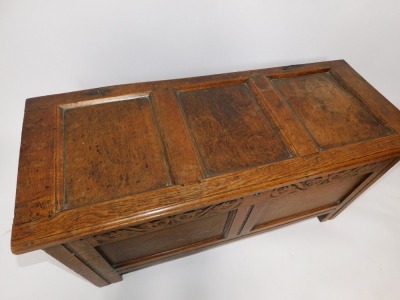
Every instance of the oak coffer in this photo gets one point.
(118, 178)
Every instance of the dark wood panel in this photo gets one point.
(312, 199)
(111, 150)
(165, 240)
(332, 116)
(129, 267)
(230, 129)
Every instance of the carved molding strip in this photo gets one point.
(318, 181)
(163, 223)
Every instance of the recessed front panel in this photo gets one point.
(111, 150)
(313, 198)
(331, 115)
(230, 129)
(165, 240)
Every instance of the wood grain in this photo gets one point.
(318, 197)
(35, 196)
(118, 178)
(230, 129)
(135, 248)
(111, 150)
(293, 135)
(332, 116)
(184, 163)
(102, 217)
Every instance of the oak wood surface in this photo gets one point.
(117, 178)
(297, 140)
(111, 150)
(100, 217)
(234, 125)
(324, 107)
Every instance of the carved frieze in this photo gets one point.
(163, 223)
(318, 181)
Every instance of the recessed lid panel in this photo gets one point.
(111, 150)
(331, 115)
(230, 129)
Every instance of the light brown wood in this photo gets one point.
(35, 187)
(115, 149)
(182, 158)
(118, 178)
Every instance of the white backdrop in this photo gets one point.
(49, 47)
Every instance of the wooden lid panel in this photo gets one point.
(111, 150)
(230, 129)
(332, 116)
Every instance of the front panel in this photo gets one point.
(143, 247)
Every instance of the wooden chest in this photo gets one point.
(116, 179)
